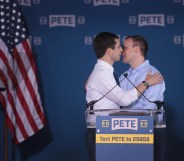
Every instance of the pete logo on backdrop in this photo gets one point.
(125, 123)
(151, 20)
(106, 2)
(62, 20)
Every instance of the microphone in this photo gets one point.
(159, 104)
(90, 105)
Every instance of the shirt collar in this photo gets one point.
(141, 67)
(105, 64)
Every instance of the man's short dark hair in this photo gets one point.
(102, 42)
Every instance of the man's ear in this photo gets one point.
(137, 49)
(109, 51)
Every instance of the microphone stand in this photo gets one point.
(5, 140)
(2, 89)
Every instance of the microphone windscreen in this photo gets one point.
(125, 75)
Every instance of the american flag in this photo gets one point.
(20, 99)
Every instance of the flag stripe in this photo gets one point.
(15, 117)
(29, 85)
(30, 57)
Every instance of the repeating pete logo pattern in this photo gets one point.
(73, 20)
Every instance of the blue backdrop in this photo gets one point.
(61, 33)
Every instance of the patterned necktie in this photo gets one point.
(116, 78)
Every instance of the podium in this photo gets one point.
(125, 134)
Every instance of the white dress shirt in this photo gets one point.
(100, 82)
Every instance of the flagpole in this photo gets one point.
(5, 140)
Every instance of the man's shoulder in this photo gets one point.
(153, 68)
(100, 73)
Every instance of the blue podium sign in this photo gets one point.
(128, 138)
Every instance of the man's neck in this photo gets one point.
(137, 62)
(105, 59)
